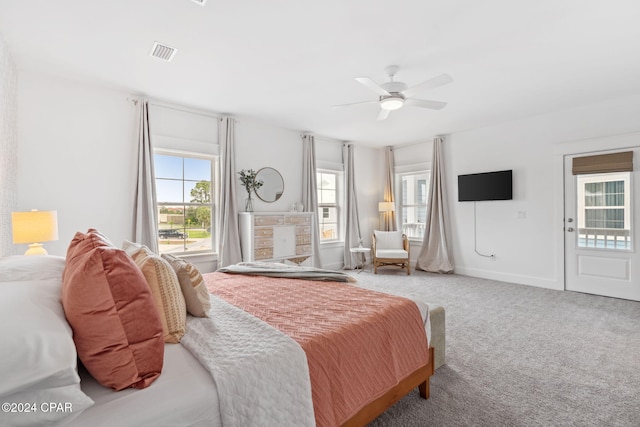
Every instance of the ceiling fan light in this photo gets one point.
(391, 103)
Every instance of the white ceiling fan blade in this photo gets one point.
(353, 103)
(440, 80)
(383, 114)
(372, 85)
(425, 103)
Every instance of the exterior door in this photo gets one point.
(601, 235)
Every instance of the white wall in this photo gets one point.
(77, 151)
(8, 147)
(528, 250)
(75, 155)
(259, 145)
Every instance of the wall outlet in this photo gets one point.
(522, 214)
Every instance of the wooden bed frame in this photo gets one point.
(419, 378)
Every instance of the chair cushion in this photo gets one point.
(392, 253)
(388, 239)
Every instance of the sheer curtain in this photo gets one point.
(310, 190)
(145, 216)
(389, 218)
(229, 251)
(352, 234)
(436, 254)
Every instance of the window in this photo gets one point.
(184, 189)
(328, 206)
(604, 211)
(413, 211)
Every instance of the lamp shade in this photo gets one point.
(386, 207)
(34, 226)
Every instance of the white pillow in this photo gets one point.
(38, 360)
(388, 239)
(19, 267)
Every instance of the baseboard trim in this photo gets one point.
(519, 279)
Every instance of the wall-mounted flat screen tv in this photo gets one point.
(485, 186)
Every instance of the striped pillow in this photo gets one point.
(194, 290)
(166, 293)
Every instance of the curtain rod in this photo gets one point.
(176, 107)
(411, 144)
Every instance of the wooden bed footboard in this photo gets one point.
(419, 378)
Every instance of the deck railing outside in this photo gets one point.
(604, 238)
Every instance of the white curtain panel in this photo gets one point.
(352, 234)
(229, 251)
(389, 220)
(145, 216)
(310, 190)
(436, 252)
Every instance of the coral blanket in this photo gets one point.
(359, 343)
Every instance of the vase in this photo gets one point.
(248, 205)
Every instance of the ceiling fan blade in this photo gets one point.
(425, 103)
(440, 80)
(354, 103)
(372, 85)
(383, 114)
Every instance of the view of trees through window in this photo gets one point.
(184, 202)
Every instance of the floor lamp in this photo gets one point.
(385, 208)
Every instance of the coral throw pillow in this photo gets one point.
(107, 301)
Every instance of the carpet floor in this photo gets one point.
(522, 356)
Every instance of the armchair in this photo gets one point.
(390, 248)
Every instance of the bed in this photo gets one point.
(185, 393)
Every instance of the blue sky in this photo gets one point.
(170, 170)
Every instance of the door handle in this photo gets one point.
(570, 229)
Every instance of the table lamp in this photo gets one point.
(34, 227)
(385, 208)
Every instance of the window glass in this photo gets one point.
(604, 213)
(413, 203)
(328, 206)
(184, 189)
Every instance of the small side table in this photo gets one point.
(363, 251)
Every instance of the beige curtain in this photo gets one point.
(389, 218)
(145, 216)
(352, 234)
(436, 252)
(229, 251)
(310, 191)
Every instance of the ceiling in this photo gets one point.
(286, 62)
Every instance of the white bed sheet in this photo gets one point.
(183, 395)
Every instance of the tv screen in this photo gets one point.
(485, 186)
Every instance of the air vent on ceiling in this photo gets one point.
(200, 2)
(163, 51)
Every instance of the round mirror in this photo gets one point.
(272, 187)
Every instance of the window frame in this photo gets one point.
(400, 198)
(338, 205)
(582, 208)
(214, 196)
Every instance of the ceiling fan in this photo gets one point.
(394, 95)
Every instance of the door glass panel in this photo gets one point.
(604, 211)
